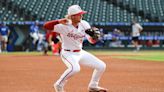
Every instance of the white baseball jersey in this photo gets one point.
(72, 38)
(136, 30)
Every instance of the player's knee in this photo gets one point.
(76, 70)
(102, 66)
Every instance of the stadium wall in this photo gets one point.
(151, 38)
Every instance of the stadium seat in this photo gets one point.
(101, 11)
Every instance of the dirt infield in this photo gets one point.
(37, 73)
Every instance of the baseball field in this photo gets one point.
(126, 71)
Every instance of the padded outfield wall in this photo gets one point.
(151, 38)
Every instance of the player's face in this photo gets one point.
(76, 18)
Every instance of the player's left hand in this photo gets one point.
(94, 33)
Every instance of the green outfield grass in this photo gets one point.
(21, 53)
(141, 55)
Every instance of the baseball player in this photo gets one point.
(54, 41)
(136, 30)
(4, 33)
(72, 34)
(34, 32)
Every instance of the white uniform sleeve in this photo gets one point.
(139, 26)
(58, 28)
(85, 25)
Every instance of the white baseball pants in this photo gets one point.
(73, 60)
(35, 37)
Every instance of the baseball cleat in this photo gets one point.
(98, 89)
(59, 88)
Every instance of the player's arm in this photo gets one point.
(53, 40)
(140, 28)
(8, 32)
(31, 29)
(49, 25)
(0, 37)
(91, 40)
(50, 40)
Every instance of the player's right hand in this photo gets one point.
(63, 21)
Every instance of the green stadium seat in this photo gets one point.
(101, 11)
